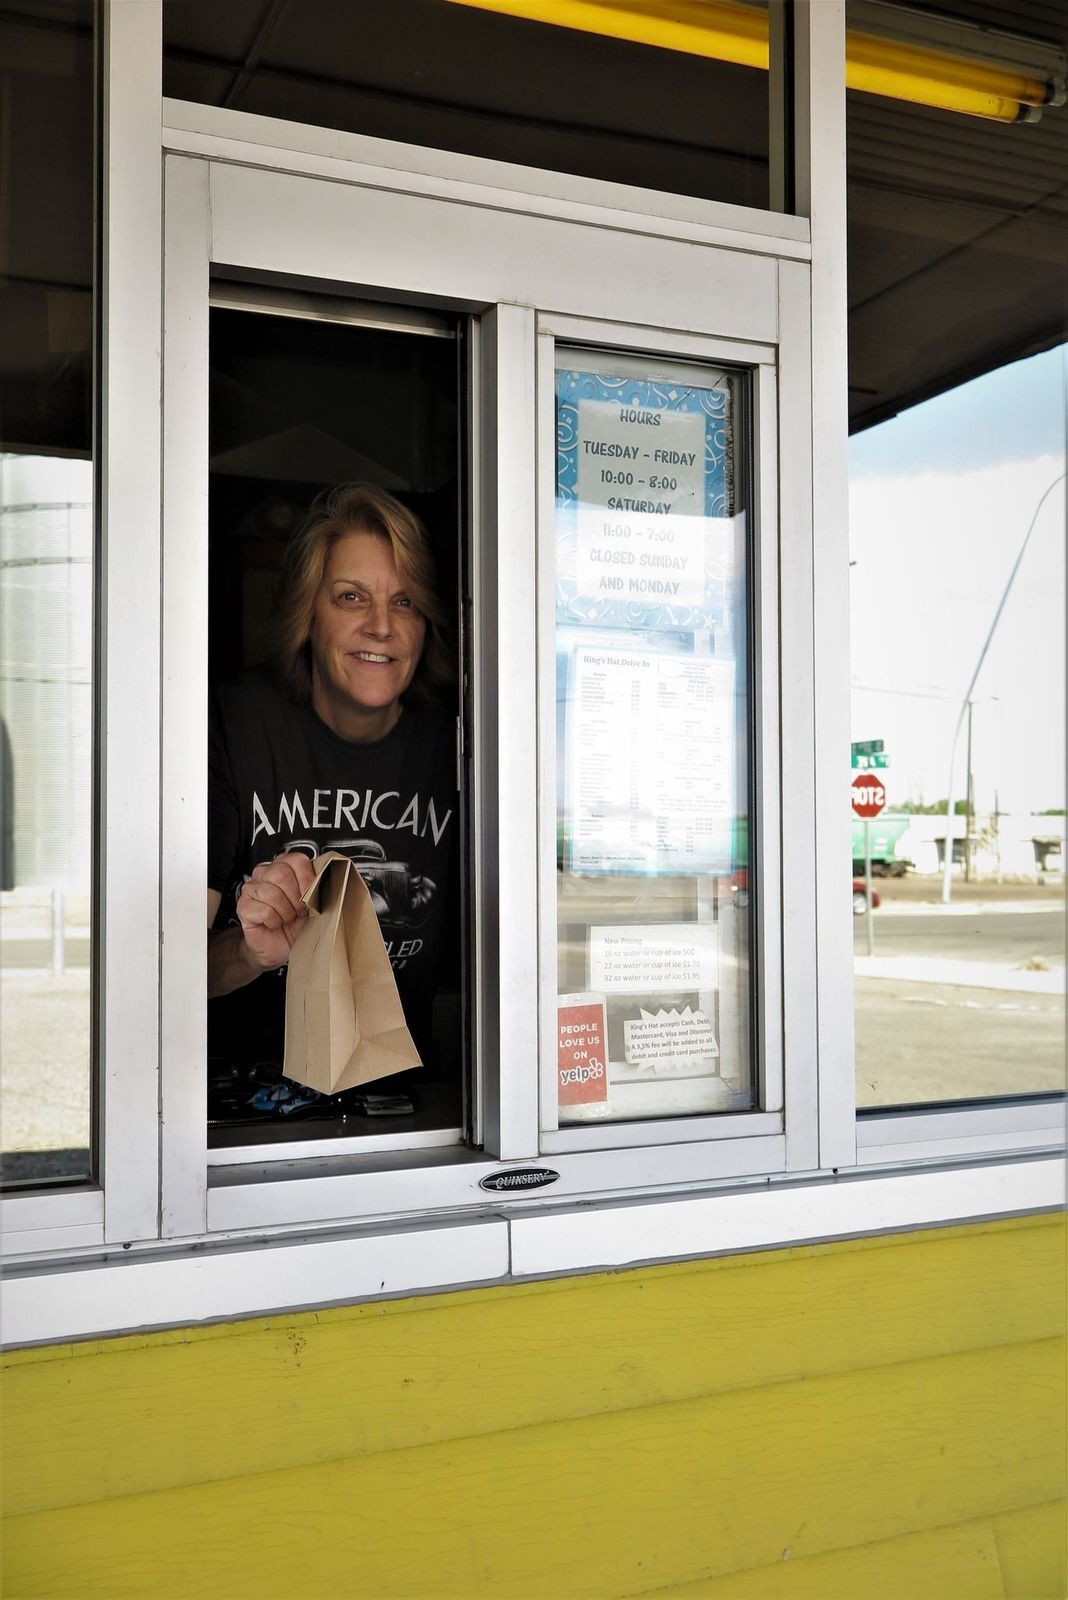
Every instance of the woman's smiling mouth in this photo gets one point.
(370, 655)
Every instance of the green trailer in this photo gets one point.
(886, 834)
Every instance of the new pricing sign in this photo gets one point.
(868, 795)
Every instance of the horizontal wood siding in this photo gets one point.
(879, 1417)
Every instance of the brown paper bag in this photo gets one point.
(344, 1021)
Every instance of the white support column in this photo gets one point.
(820, 178)
(183, 807)
(128, 595)
(799, 875)
(506, 823)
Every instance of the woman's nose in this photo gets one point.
(377, 620)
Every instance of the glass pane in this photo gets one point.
(46, 593)
(956, 295)
(652, 737)
(960, 980)
(629, 96)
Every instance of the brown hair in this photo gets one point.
(359, 508)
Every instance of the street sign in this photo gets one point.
(878, 759)
(868, 796)
(867, 747)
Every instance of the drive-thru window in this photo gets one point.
(603, 496)
(619, 413)
(523, 465)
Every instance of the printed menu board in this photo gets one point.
(648, 768)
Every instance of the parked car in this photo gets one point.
(860, 897)
(738, 883)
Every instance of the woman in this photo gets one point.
(341, 747)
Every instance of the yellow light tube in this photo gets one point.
(717, 29)
(933, 78)
(723, 30)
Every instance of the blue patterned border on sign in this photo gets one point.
(715, 405)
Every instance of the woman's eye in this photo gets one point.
(402, 600)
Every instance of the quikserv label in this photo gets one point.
(518, 1179)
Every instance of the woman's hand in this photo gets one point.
(270, 910)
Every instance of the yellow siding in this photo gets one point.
(867, 1419)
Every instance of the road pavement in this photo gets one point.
(958, 1002)
(35, 952)
(45, 1085)
(961, 1001)
(918, 1043)
(1011, 934)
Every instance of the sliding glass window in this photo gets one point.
(652, 739)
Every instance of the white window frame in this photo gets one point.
(730, 1192)
(759, 363)
(124, 1204)
(189, 217)
(848, 1138)
(221, 212)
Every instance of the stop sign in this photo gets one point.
(868, 795)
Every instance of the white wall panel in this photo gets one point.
(475, 255)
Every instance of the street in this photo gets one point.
(45, 1087)
(959, 1002)
(920, 1042)
(991, 934)
(37, 953)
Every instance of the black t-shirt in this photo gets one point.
(279, 779)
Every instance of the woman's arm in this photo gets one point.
(228, 966)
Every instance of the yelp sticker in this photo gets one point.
(582, 1050)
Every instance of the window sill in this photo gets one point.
(154, 1286)
(961, 1131)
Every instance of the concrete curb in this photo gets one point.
(965, 908)
(964, 974)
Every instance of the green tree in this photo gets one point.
(933, 808)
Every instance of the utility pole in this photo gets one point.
(947, 861)
(997, 836)
(969, 800)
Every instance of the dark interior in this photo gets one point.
(431, 73)
(957, 226)
(46, 233)
(958, 237)
(288, 397)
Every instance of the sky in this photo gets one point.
(940, 502)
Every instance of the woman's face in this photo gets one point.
(366, 638)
